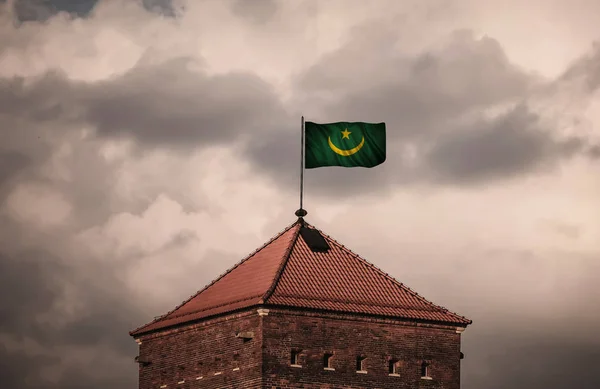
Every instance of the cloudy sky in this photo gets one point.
(147, 146)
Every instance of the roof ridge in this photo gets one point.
(387, 276)
(216, 279)
(284, 262)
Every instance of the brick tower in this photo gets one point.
(302, 311)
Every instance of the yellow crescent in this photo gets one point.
(346, 153)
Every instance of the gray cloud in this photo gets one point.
(31, 283)
(163, 7)
(42, 10)
(170, 104)
(257, 11)
(166, 104)
(370, 77)
(20, 303)
(11, 163)
(48, 97)
(518, 359)
(510, 144)
(585, 70)
(18, 368)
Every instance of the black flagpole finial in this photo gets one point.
(301, 213)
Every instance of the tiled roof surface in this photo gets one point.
(340, 280)
(286, 272)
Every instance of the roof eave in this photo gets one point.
(458, 323)
(141, 332)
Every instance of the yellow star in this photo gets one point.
(346, 134)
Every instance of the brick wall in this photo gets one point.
(346, 338)
(203, 350)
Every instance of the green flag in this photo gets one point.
(344, 144)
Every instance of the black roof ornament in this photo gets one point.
(313, 238)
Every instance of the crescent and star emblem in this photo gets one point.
(349, 152)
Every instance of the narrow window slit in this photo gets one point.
(295, 358)
(360, 364)
(425, 370)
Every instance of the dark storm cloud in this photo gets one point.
(21, 371)
(20, 301)
(31, 283)
(40, 112)
(520, 358)
(546, 363)
(429, 103)
(37, 114)
(369, 77)
(11, 163)
(173, 105)
(42, 10)
(514, 142)
(44, 98)
(166, 104)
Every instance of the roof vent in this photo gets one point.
(314, 239)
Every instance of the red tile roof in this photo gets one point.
(286, 272)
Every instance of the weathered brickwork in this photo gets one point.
(209, 350)
(178, 357)
(346, 338)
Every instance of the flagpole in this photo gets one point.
(301, 212)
